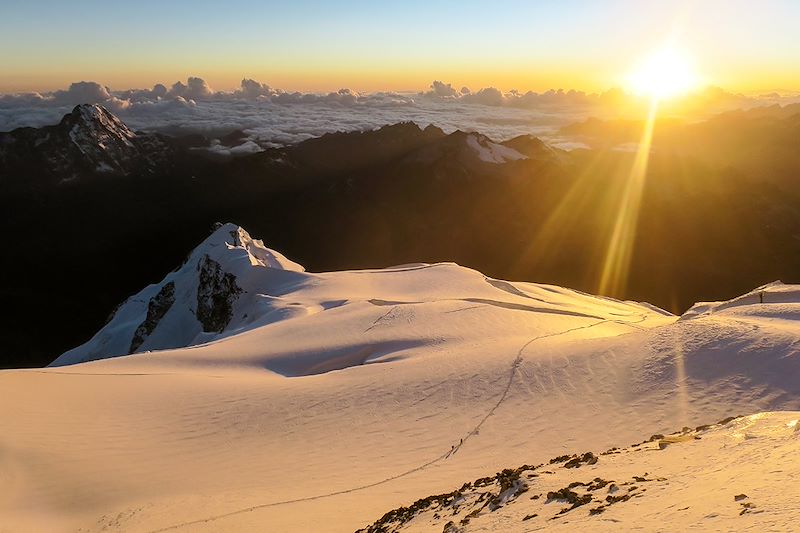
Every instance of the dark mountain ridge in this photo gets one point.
(82, 238)
(88, 141)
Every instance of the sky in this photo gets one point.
(745, 46)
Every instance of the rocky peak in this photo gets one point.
(90, 140)
(94, 124)
(229, 282)
(103, 139)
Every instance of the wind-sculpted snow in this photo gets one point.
(781, 301)
(232, 284)
(330, 398)
(670, 481)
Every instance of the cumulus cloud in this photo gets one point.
(21, 99)
(159, 91)
(82, 92)
(271, 116)
(491, 96)
(159, 105)
(193, 89)
(487, 96)
(709, 99)
(253, 89)
(443, 90)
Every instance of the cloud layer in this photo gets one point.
(273, 116)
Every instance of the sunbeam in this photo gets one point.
(620, 247)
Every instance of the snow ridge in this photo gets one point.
(492, 152)
(229, 284)
(232, 283)
(774, 298)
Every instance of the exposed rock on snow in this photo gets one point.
(156, 309)
(676, 487)
(216, 292)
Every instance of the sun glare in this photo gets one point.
(664, 74)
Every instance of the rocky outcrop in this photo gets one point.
(558, 492)
(156, 309)
(216, 292)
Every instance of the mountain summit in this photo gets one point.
(229, 283)
(101, 137)
(89, 141)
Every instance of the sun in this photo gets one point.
(664, 74)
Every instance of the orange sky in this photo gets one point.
(369, 46)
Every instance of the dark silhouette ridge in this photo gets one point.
(81, 241)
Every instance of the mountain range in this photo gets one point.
(243, 392)
(99, 210)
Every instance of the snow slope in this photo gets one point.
(491, 152)
(231, 284)
(341, 395)
(738, 475)
(781, 300)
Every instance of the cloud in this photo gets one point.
(82, 92)
(271, 116)
(487, 96)
(193, 89)
(443, 90)
(491, 96)
(159, 105)
(248, 147)
(158, 92)
(253, 89)
(22, 99)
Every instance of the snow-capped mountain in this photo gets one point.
(473, 150)
(262, 394)
(103, 139)
(398, 194)
(230, 283)
(88, 141)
